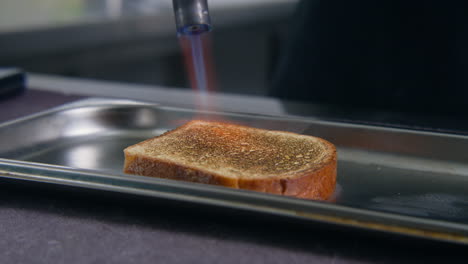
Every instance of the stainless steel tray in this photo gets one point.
(392, 180)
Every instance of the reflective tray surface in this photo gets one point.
(392, 180)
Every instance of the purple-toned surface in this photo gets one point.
(40, 225)
(31, 102)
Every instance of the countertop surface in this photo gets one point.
(45, 224)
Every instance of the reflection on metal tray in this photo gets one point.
(391, 180)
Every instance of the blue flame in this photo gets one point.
(198, 62)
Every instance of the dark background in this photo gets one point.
(139, 44)
(404, 56)
(388, 54)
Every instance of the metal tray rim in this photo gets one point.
(89, 102)
(241, 199)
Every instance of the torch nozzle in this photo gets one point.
(191, 16)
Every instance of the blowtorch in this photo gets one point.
(192, 16)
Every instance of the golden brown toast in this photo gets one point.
(239, 157)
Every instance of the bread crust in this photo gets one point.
(317, 182)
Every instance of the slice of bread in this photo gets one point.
(239, 157)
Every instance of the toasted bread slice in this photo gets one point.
(239, 157)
